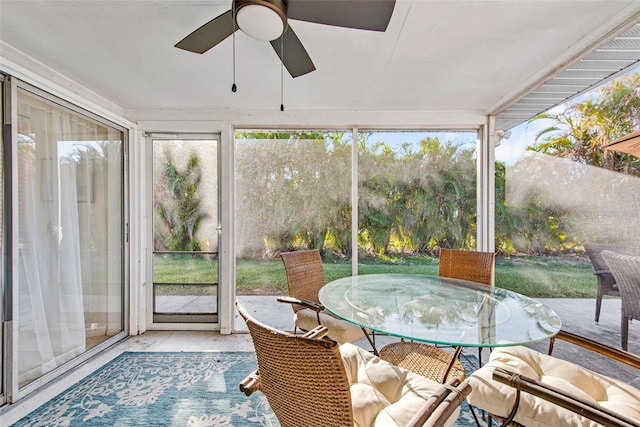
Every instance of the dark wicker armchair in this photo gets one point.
(626, 271)
(606, 282)
(310, 380)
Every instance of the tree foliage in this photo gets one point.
(294, 188)
(294, 192)
(581, 130)
(565, 201)
(177, 206)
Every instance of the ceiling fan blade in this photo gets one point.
(359, 14)
(210, 34)
(296, 59)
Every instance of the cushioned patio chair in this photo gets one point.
(522, 387)
(305, 277)
(426, 359)
(605, 280)
(626, 271)
(310, 380)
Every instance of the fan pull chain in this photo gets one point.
(282, 73)
(234, 88)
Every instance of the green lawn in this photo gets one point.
(547, 277)
(541, 277)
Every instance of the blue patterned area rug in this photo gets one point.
(160, 389)
(166, 389)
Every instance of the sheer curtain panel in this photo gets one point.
(70, 240)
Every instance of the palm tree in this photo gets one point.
(581, 130)
(178, 208)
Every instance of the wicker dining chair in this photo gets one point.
(311, 380)
(305, 277)
(605, 280)
(474, 266)
(426, 359)
(626, 271)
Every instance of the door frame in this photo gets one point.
(149, 137)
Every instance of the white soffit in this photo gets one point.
(618, 55)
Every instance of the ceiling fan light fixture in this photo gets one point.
(261, 19)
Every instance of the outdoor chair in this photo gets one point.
(626, 271)
(305, 277)
(310, 380)
(606, 282)
(474, 266)
(426, 359)
(522, 387)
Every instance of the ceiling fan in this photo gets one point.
(268, 20)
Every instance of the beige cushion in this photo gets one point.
(382, 394)
(498, 398)
(339, 330)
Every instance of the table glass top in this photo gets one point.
(440, 310)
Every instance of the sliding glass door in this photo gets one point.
(69, 220)
(4, 294)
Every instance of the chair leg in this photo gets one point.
(372, 341)
(624, 324)
(475, 417)
(598, 304)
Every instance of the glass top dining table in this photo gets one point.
(439, 310)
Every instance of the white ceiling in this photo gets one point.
(458, 58)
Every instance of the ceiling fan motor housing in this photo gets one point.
(259, 18)
(267, 20)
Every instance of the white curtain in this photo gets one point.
(50, 315)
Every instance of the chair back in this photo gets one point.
(474, 266)
(305, 275)
(304, 379)
(594, 250)
(626, 271)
